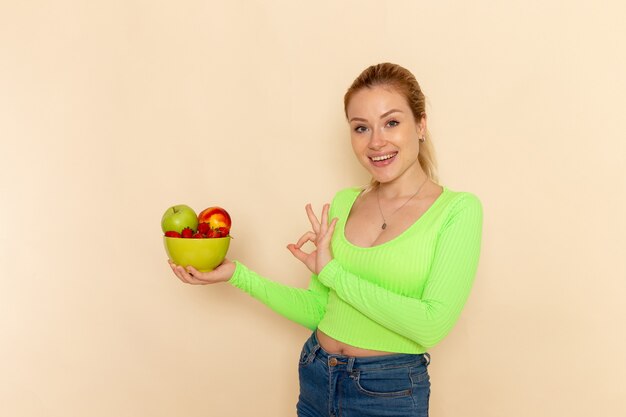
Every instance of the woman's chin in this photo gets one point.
(383, 179)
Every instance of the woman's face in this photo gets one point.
(384, 133)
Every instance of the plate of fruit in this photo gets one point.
(194, 240)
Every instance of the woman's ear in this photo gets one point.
(420, 126)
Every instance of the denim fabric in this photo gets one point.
(342, 386)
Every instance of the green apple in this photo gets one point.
(178, 217)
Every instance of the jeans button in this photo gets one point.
(332, 361)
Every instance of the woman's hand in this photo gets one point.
(192, 276)
(320, 237)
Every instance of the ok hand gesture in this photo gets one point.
(320, 237)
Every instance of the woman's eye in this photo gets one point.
(360, 129)
(393, 123)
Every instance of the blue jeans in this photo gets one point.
(344, 386)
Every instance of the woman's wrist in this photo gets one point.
(234, 276)
(327, 273)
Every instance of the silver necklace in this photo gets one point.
(384, 226)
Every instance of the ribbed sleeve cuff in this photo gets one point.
(328, 274)
(239, 276)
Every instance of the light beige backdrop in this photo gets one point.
(111, 111)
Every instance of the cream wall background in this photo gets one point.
(112, 111)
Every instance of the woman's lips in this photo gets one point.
(383, 160)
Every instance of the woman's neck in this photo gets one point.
(403, 186)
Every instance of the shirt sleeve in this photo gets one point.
(303, 306)
(428, 319)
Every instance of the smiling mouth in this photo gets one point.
(383, 157)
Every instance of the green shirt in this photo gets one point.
(400, 296)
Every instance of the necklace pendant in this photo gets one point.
(384, 226)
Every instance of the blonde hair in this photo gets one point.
(404, 83)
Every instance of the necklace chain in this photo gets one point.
(384, 225)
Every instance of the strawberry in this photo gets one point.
(203, 228)
(187, 233)
(172, 233)
(221, 232)
(198, 235)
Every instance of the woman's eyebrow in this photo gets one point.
(382, 116)
(389, 112)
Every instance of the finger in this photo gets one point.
(186, 276)
(324, 218)
(300, 255)
(182, 274)
(308, 236)
(172, 265)
(331, 227)
(329, 232)
(174, 268)
(312, 218)
(199, 277)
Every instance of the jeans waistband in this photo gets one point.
(365, 362)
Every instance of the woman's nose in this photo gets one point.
(377, 140)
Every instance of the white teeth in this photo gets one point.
(382, 158)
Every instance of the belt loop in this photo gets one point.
(427, 358)
(350, 364)
(315, 348)
(316, 343)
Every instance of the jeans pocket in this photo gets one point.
(394, 382)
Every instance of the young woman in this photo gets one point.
(392, 267)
